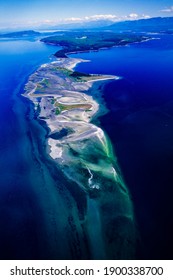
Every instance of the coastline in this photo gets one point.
(84, 91)
(80, 109)
(69, 106)
(78, 48)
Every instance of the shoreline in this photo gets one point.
(69, 106)
(66, 53)
(81, 105)
(92, 86)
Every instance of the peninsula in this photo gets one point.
(70, 102)
(64, 99)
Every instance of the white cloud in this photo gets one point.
(133, 16)
(146, 16)
(73, 19)
(101, 17)
(167, 10)
(113, 18)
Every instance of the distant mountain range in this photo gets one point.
(79, 25)
(158, 24)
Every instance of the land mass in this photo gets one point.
(20, 34)
(60, 98)
(69, 102)
(157, 24)
(90, 41)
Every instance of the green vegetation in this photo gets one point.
(77, 76)
(45, 82)
(62, 107)
(42, 85)
(57, 111)
(80, 76)
(86, 41)
(52, 101)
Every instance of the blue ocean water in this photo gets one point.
(139, 124)
(19, 58)
(20, 208)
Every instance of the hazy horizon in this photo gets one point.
(42, 13)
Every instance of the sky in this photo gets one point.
(35, 13)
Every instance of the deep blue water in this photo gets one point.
(18, 60)
(140, 125)
(21, 213)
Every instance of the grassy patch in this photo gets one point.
(62, 107)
